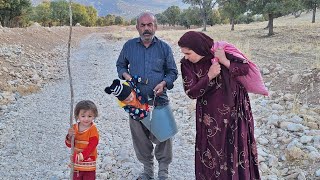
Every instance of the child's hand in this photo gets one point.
(71, 132)
(76, 157)
(151, 108)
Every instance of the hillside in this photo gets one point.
(128, 8)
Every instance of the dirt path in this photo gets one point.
(32, 134)
(32, 130)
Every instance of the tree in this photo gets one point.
(161, 19)
(216, 17)
(206, 7)
(119, 20)
(233, 9)
(43, 13)
(110, 19)
(133, 21)
(295, 7)
(194, 13)
(172, 14)
(190, 17)
(184, 20)
(100, 21)
(79, 14)
(312, 5)
(11, 10)
(93, 15)
(269, 7)
(60, 12)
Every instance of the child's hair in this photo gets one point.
(85, 105)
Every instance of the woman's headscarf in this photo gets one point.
(199, 42)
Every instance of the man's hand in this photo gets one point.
(158, 90)
(126, 76)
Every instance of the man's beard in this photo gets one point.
(149, 38)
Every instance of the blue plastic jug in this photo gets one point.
(161, 123)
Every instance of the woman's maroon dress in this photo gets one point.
(225, 146)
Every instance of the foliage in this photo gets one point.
(42, 13)
(172, 14)
(205, 6)
(60, 12)
(93, 15)
(295, 6)
(215, 17)
(161, 18)
(272, 8)
(119, 20)
(233, 9)
(133, 21)
(312, 5)
(190, 16)
(79, 14)
(244, 19)
(110, 20)
(13, 12)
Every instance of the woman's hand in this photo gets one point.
(214, 71)
(221, 55)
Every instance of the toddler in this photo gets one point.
(86, 141)
(129, 99)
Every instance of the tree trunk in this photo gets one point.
(204, 21)
(314, 13)
(232, 24)
(204, 25)
(270, 25)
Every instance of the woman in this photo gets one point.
(225, 144)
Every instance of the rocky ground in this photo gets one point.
(34, 103)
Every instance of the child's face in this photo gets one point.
(86, 117)
(129, 98)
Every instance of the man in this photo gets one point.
(151, 59)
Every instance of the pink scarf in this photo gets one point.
(253, 81)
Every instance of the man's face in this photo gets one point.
(146, 28)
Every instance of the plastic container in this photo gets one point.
(162, 123)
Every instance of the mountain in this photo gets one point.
(128, 8)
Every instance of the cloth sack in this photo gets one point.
(253, 81)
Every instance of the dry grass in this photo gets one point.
(26, 89)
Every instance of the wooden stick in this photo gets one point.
(71, 87)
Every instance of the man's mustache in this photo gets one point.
(147, 32)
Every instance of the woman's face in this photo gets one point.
(190, 55)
